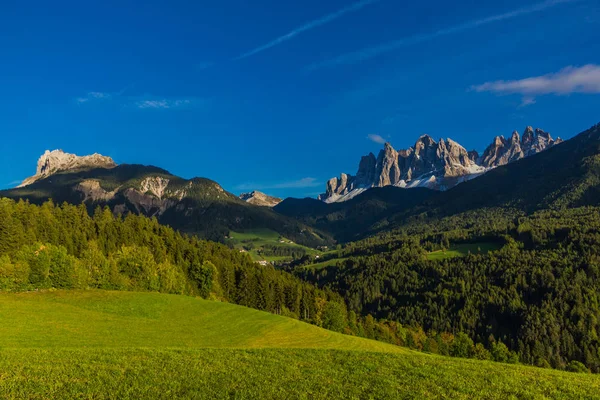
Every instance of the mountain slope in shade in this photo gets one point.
(260, 199)
(434, 165)
(562, 176)
(200, 206)
(357, 217)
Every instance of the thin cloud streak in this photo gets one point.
(376, 138)
(163, 104)
(90, 96)
(308, 26)
(146, 102)
(298, 184)
(568, 80)
(375, 51)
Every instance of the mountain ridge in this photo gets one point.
(561, 176)
(198, 205)
(260, 199)
(435, 165)
(55, 161)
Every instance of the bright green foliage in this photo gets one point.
(334, 317)
(576, 366)
(63, 247)
(138, 266)
(203, 276)
(49, 266)
(481, 353)
(462, 346)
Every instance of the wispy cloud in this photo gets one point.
(308, 26)
(371, 52)
(91, 96)
(376, 138)
(568, 80)
(145, 102)
(527, 101)
(164, 104)
(297, 184)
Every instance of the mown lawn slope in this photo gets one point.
(98, 344)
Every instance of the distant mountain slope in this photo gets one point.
(260, 199)
(352, 219)
(197, 205)
(435, 165)
(561, 176)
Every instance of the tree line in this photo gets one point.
(538, 295)
(63, 247)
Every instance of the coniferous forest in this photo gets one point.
(538, 294)
(63, 247)
(534, 301)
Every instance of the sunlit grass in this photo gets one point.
(102, 344)
(461, 250)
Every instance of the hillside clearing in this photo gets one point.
(256, 241)
(463, 249)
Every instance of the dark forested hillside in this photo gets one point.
(538, 293)
(199, 206)
(63, 247)
(566, 175)
(355, 218)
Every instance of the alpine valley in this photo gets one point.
(182, 237)
(495, 259)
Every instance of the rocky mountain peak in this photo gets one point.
(515, 138)
(437, 165)
(260, 199)
(55, 161)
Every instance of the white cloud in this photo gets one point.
(376, 138)
(146, 102)
(568, 80)
(374, 51)
(163, 104)
(297, 184)
(308, 26)
(90, 96)
(527, 101)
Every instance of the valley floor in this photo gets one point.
(96, 344)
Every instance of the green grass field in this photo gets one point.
(323, 264)
(258, 238)
(98, 344)
(461, 250)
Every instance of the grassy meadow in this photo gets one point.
(256, 239)
(461, 250)
(99, 344)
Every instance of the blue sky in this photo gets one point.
(281, 96)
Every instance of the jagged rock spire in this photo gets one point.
(437, 165)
